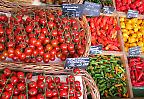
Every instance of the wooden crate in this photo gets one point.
(125, 64)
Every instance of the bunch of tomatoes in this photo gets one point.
(20, 85)
(41, 35)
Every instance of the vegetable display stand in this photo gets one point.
(43, 35)
(111, 73)
(105, 30)
(28, 84)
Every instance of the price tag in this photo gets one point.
(8, 14)
(108, 10)
(72, 10)
(91, 9)
(132, 14)
(77, 62)
(135, 51)
(96, 49)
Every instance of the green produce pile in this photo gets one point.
(95, 1)
(109, 75)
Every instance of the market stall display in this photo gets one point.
(39, 39)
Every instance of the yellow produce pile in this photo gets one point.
(133, 32)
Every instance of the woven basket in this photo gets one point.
(83, 21)
(87, 81)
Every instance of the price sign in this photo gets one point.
(108, 10)
(132, 14)
(8, 14)
(91, 9)
(72, 10)
(77, 62)
(96, 49)
(135, 51)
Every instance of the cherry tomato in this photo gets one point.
(40, 84)
(1, 47)
(9, 87)
(20, 75)
(54, 42)
(29, 28)
(54, 92)
(14, 80)
(32, 84)
(16, 91)
(70, 79)
(32, 91)
(40, 96)
(7, 72)
(63, 93)
(22, 96)
(76, 70)
(51, 85)
(29, 75)
(48, 79)
(57, 80)
(6, 95)
(48, 93)
(21, 86)
(63, 46)
(78, 93)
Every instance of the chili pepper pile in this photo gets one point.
(125, 5)
(40, 35)
(136, 65)
(109, 75)
(20, 85)
(133, 32)
(104, 30)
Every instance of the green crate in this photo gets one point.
(138, 91)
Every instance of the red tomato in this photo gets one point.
(22, 96)
(14, 80)
(20, 75)
(54, 92)
(51, 85)
(63, 93)
(48, 93)
(1, 47)
(40, 96)
(32, 91)
(9, 87)
(29, 75)
(54, 42)
(57, 80)
(21, 87)
(48, 79)
(29, 28)
(32, 84)
(16, 91)
(7, 72)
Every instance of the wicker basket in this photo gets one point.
(86, 79)
(83, 21)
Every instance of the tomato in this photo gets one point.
(42, 21)
(64, 86)
(33, 97)
(63, 46)
(46, 60)
(14, 80)
(1, 31)
(9, 87)
(16, 91)
(44, 31)
(63, 57)
(32, 41)
(5, 53)
(51, 24)
(10, 44)
(54, 32)
(63, 93)
(48, 79)
(72, 91)
(22, 96)
(29, 28)
(46, 41)
(55, 98)
(70, 79)
(29, 75)
(41, 77)
(2, 40)
(52, 58)
(48, 93)
(61, 39)
(38, 43)
(49, 47)
(78, 87)
(35, 52)
(32, 84)
(71, 47)
(8, 31)
(76, 39)
(41, 52)
(81, 51)
(57, 48)
(77, 83)
(51, 17)
(54, 92)
(76, 70)
(78, 93)
(7, 72)
(54, 42)
(21, 86)
(59, 54)
(53, 52)
(57, 80)
(20, 75)
(32, 91)
(65, 52)
(6, 95)
(51, 85)
(39, 58)
(2, 82)
(28, 51)
(40, 96)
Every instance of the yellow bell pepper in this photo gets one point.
(122, 25)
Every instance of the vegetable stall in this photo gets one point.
(71, 49)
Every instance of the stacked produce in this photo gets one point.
(104, 30)
(125, 5)
(136, 66)
(38, 35)
(20, 85)
(52, 1)
(133, 32)
(103, 2)
(109, 75)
